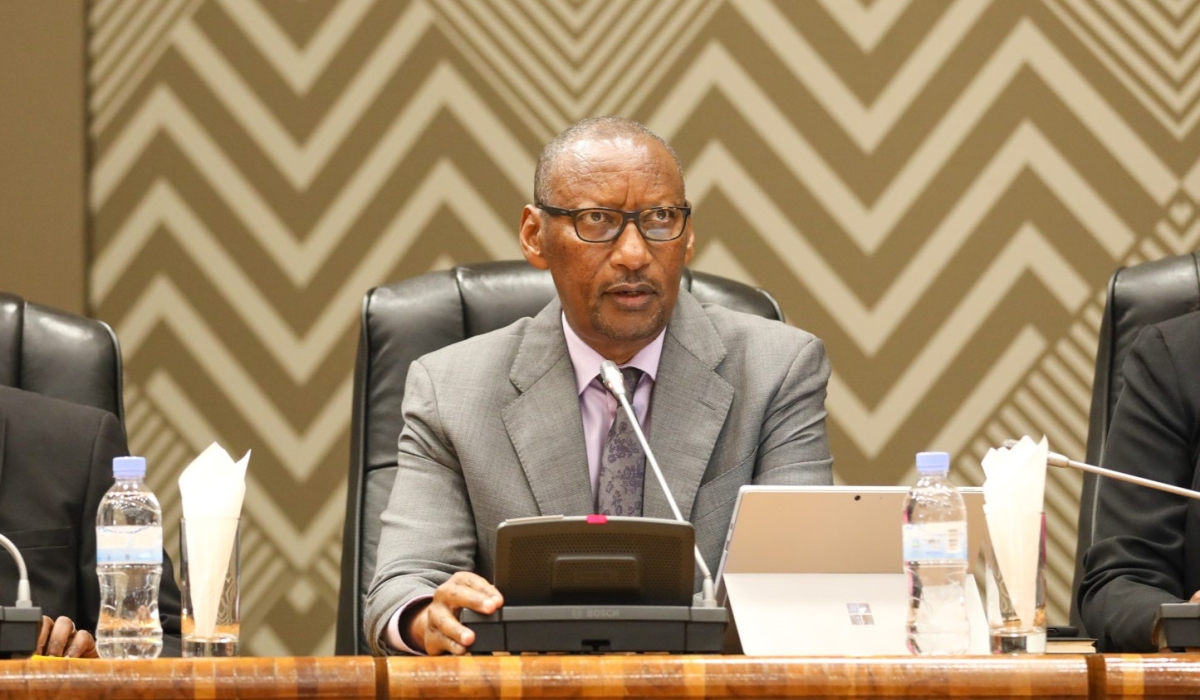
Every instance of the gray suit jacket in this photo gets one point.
(492, 430)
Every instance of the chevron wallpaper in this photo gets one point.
(938, 189)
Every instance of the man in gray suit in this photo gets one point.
(515, 423)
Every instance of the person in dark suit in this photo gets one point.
(55, 466)
(1146, 550)
(515, 422)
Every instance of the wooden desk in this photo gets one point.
(350, 677)
(738, 677)
(660, 677)
(1149, 676)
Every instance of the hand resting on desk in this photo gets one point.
(60, 638)
(435, 628)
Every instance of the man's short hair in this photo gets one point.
(588, 129)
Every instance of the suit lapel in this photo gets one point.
(543, 422)
(688, 408)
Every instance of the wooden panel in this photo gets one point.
(345, 678)
(736, 677)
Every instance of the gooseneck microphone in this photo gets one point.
(1175, 626)
(611, 376)
(22, 623)
(1056, 460)
(24, 597)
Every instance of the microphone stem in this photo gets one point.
(1058, 460)
(662, 481)
(1054, 459)
(24, 598)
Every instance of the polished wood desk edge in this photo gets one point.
(351, 678)
(736, 677)
(1149, 675)
(612, 676)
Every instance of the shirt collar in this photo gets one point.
(586, 361)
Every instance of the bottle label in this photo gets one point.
(129, 544)
(925, 541)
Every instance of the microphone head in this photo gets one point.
(611, 376)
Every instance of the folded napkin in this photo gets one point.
(1013, 493)
(212, 488)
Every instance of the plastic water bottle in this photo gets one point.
(129, 564)
(935, 560)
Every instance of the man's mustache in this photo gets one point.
(634, 282)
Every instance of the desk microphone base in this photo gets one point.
(591, 629)
(1177, 627)
(19, 630)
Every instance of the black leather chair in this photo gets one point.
(405, 320)
(1138, 296)
(59, 355)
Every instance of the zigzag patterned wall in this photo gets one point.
(938, 189)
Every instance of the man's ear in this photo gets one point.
(531, 237)
(691, 240)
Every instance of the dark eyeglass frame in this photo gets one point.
(626, 217)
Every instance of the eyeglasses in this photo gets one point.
(601, 225)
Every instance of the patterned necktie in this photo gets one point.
(622, 464)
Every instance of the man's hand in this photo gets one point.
(436, 629)
(60, 638)
(1195, 597)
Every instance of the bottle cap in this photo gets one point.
(129, 467)
(933, 462)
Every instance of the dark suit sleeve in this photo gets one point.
(1136, 561)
